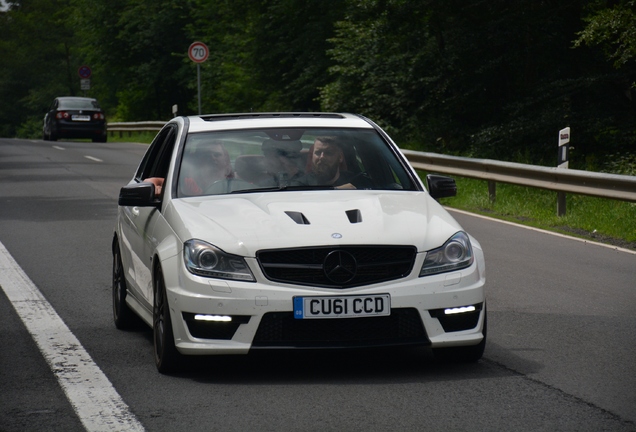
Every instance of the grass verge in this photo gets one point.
(598, 219)
(134, 136)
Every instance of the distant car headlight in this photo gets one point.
(455, 254)
(203, 259)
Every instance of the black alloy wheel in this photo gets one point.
(122, 314)
(166, 355)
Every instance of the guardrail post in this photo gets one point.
(492, 191)
(561, 204)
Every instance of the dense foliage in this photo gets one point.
(482, 78)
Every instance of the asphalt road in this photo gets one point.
(560, 353)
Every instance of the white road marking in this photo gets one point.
(87, 157)
(94, 399)
(616, 248)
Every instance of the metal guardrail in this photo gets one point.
(613, 186)
(130, 127)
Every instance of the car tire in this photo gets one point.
(465, 354)
(122, 314)
(167, 358)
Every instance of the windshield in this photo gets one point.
(86, 104)
(247, 161)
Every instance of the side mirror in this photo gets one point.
(138, 195)
(441, 186)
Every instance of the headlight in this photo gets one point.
(203, 259)
(455, 254)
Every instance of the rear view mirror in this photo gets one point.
(138, 195)
(441, 186)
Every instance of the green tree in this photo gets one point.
(39, 62)
(264, 56)
(290, 42)
(227, 77)
(613, 28)
(492, 79)
(138, 49)
(388, 63)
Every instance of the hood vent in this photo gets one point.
(298, 217)
(354, 216)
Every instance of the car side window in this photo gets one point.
(156, 161)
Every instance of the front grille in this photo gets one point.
(337, 267)
(282, 330)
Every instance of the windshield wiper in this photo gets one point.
(306, 187)
(285, 188)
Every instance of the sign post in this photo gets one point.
(198, 53)
(563, 162)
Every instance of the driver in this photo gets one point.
(327, 166)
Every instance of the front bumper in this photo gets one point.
(261, 313)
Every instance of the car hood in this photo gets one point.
(244, 224)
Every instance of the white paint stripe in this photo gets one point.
(93, 158)
(616, 248)
(59, 148)
(94, 399)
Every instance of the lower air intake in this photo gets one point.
(282, 330)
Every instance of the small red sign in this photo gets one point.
(84, 72)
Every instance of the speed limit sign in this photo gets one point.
(198, 52)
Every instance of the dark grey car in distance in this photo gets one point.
(74, 117)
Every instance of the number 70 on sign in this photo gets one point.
(198, 52)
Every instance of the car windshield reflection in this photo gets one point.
(78, 104)
(217, 163)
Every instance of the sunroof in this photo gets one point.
(219, 117)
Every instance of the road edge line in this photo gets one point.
(92, 396)
(556, 234)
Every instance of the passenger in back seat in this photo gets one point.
(209, 163)
(282, 161)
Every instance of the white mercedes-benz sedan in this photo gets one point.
(254, 231)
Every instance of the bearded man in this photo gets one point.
(328, 165)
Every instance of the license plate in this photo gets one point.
(342, 306)
(81, 118)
